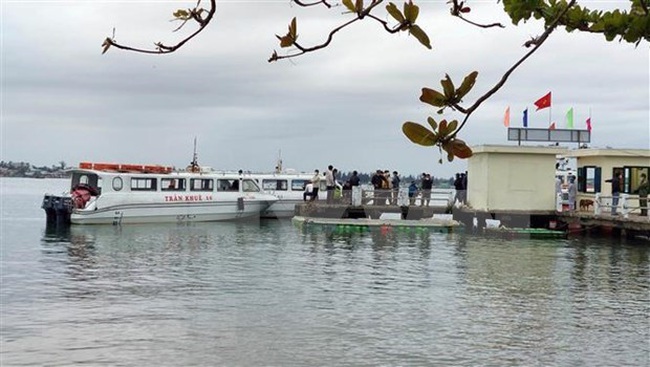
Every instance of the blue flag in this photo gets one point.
(526, 117)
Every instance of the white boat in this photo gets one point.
(288, 187)
(102, 193)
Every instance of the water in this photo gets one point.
(268, 294)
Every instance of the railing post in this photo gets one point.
(624, 204)
(357, 194)
(597, 204)
(558, 202)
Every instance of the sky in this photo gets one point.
(62, 100)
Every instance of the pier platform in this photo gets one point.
(319, 209)
(442, 225)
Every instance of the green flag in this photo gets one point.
(569, 118)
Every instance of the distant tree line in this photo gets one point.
(26, 169)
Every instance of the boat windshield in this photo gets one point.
(85, 178)
(249, 185)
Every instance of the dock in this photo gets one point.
(632, 224)
(320, 209)
(435, 224)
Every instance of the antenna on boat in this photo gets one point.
(278, 167)
(194, 164)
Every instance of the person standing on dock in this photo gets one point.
(329, 184)
(316, 185)
(573, 192)
(643, 190)
(616, 190)
(395, 186)
(413, 192)
(427, 185)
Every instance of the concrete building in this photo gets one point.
(595, 166)
(512, 178)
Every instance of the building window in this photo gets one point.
(589, 178)
(632, 178)
(143, 184)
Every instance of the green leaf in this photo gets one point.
(448, 87)
(394, 12)
(467, 85)
(411, 12)
(432, 122)
(432, 97)
(293, 29)
(418, 33)
(348, 4)
(181, 14)
(452, 126)
(419, 134)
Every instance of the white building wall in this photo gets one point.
(520, 178)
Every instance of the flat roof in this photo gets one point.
(520, 149)
(641, 153)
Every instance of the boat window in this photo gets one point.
(117, 183)
(274, 184)
(143, 184)
(299, 185)
(201, 184)
(172, 184)
(227, 185)
(249, 185)
(91, 180)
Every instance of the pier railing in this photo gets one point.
(603, 203)
(370, 196)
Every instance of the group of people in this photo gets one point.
(386, 186)
(331, 185)
(643, 189)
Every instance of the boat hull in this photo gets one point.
(177, 213)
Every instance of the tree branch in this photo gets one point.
(538, 43)
(194, 14)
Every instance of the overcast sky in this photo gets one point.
(62, 100)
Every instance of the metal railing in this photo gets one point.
(370, 196)
(604, 202)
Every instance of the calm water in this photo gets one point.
(268, 294)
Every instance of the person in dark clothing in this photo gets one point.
(376, 181)
(458, 185)
(616, 190)
(394, 183)
(354, 179)
(413, 191)
(427, 185)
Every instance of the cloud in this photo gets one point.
(343, 105)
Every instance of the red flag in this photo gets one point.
(589, 124)
(552, 127)
(506, 117)
(543, 102)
